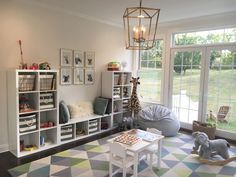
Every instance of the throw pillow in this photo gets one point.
(81, 109)
(109, 105)
(87, 107)
(100, 106)
(75, 111)
(64, 114)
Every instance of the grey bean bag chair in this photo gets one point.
(159, 117)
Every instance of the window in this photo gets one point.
(203, 78)
(227, 35)
(150, 72)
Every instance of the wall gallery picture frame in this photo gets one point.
(66, 57)
(89, 76)
(66, 76)
(78, 57)
(89, 59)
(78, 76)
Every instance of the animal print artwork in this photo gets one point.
(78, 61)
(89, 59)
(66, 78)
(90, 78)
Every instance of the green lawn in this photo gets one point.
(221, 89)
(150, 86)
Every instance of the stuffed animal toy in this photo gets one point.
(210, 148)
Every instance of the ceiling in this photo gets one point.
(111, 11)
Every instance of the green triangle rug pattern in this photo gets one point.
(92, 160)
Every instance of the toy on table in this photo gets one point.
(127, 139)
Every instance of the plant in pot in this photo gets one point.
(208, 128)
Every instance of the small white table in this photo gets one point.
(146, 139)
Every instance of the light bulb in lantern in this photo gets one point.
(139, 33)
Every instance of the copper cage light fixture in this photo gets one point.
(140, 25)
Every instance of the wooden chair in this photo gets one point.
(221, 115)
(119, 158)
(151, 150)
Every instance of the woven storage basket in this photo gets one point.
(46, 82)
(204, 127)
(26, 82)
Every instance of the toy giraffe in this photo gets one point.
(133, 103)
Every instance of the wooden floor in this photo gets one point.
(8, 160)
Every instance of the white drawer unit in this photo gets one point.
(93, 126)
(67, 132)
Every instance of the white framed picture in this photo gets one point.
(78, 76)
(78, 58)
(89, 76)
(89, 59)
(66, 57)
(66, 76)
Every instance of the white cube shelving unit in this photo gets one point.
(116, 86)
(43, 107)
(25, 90)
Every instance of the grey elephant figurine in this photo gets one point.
(210, 148)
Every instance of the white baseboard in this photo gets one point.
(4, 148)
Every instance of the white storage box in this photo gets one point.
(67, 132)
(27, 123)
(46, 100)
(93, 126)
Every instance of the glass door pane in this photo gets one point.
(150, 73)
(221, 97)
(186, 84)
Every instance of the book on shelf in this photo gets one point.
(125, 79)
(117, 79)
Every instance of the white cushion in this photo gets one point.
(81, 109)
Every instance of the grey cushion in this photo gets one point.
(161, 118)
(109, 105)
(64, 113)
(100, 105)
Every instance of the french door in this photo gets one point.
(187, 73)
(220, 88)
(203, 82)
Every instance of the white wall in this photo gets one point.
(43, 32)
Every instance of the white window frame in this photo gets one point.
(137, 68)
(200, 30)
(202, 74)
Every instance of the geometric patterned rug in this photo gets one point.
(92, 160)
